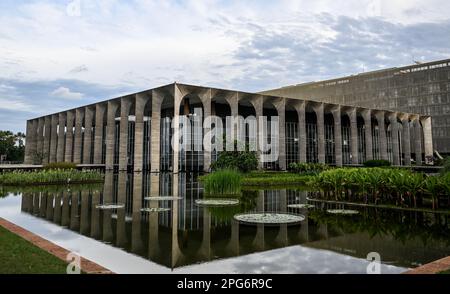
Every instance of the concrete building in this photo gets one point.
(134, 132)
(421, 88)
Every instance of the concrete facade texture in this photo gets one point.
(421, 88)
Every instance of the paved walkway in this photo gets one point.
(432, 267)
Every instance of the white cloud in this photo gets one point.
(246, 45)
(13, 104)
(66, 93)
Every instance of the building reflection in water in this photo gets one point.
(189, 234)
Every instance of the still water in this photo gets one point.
(187, 238)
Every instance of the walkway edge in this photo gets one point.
(87, 266)
(434, 267)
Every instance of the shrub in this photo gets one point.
(60, 165)
(446, 165)
(49, 177)
(308, 168)
(222, 182)
(244, 161)
(377, 163)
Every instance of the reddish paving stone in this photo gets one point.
(432, 267)
(87, 266)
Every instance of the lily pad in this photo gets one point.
(343, 211)
(155, 209)
(217, 202)
(110, 206)
(162, 198)
(269, 218)
(307, 206)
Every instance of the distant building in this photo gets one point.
(422, 88)
(135, 131)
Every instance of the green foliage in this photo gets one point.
(381, 184)
(19, 190)
(265, 179)
(446, 165)
(244, 161)
(308, 168)
(12, 146)
(49, 177)
(60, 165)
(222, 182)
(377, 163)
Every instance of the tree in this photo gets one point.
(12, 146)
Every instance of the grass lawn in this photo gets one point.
(18, 256)
(274, 179)
(447, 272)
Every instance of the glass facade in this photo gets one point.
(292, 143)
(330, 157)
(346, 145)
(312, 146)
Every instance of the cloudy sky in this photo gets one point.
(60, 54)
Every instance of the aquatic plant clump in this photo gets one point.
(269, 218)
(154, 209)
(110, 206)
(343, 211)
(217, 202)
(222, 182)
(162, 198)
(307, 206)
(49, 177)
(383, 185)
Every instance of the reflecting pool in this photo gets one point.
(133, 233)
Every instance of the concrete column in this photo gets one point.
(107, 232)
(319, 110)
(233, 101)
(206, 101)
(57, 214)
(68, 154)
(367, 115)
(406, 140)
(428, 139)
(178, 97)
(337, 135)
(53, 137)
(87, 144)
(395, 144)
(301, 112)
(157, 99)
(418, 141)
(383, 140)
(84, 213)
(137, 243)
(40, 141)
(98, 140)
(29, 138)
(61, 137)
(354, 135)
(31, 141)
(281, 109)
(95, 215)
(123, 142)
(258, 105)
(141, 101)
(110, 134)
(121, 236)
(77, 146)
(47, 136)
